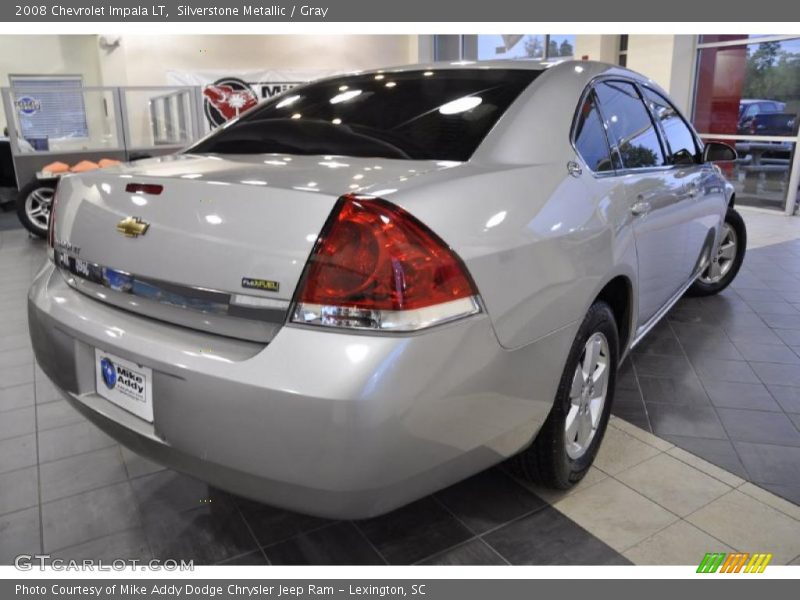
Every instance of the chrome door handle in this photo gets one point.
(640, 208)
(691, 190)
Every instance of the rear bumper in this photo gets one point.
(333, 424)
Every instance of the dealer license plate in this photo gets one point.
(126, 384)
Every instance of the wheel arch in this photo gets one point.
(618, 294)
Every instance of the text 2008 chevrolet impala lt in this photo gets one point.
(378, 284)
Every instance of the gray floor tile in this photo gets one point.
(795, 419)
(337, 544)
(715, 348)
(81, 473)
(665, 346)
(17, 453)
(47, 393)
(124, 545)
(137, 465)
(782, 321)
(271, 525)
(660, 366)
(250, 559)
(686, 390)
(488, 500)
(687, 421)
(414, 532)
(547, 537)
(718, 452)
(19, 489)
(759, 426)
(16, 358)
(752, 396)
(788, 491)
(57, 414)
(208, 534)
(167, 493)
(89, 516)
(16, 397)
(789, 336)
(713, 369)
(15, 376)
(17, 340)
(636, 415)
(767, 463)
(19, 534)
(17, 422)
(70, 440)
(788, 397)
(779, 307)
(770, 353)
(772, 373)
(473, 552)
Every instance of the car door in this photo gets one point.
(653, 196)
(695, 182)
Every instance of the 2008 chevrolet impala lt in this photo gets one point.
(378, 284)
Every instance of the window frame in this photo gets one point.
(587, 93)
(698, 146)
(616, 158)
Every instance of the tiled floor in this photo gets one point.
(67, 489)
(720, 377)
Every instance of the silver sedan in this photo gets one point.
(377, 284)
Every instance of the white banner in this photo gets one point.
(226, 94)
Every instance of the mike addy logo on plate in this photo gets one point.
(122, 379)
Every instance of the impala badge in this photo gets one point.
(132, 227)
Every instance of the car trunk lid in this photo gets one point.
(221, 244)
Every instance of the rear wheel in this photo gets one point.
(568, 442)
(725, 265)
(34, 203)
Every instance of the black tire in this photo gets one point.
(36, 227)
(703, 287)
(546, 460)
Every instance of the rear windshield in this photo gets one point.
(419, 115)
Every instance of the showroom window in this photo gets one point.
(502, 47)
(747, 94)
(50, 107)
(629, 125)
(622, 54)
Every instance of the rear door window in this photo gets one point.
(680, 139)
(440, 114)
(590, 137)
(629, 125)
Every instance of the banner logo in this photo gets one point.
(226, 99)
(736, 562)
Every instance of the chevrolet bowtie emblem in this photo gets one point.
(132, 227)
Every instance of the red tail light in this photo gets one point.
(377, 267)
(51, 223)
(144, 188)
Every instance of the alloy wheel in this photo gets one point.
(722, 263)
(587, 396)
(38, 205)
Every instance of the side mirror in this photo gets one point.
(717, 152)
